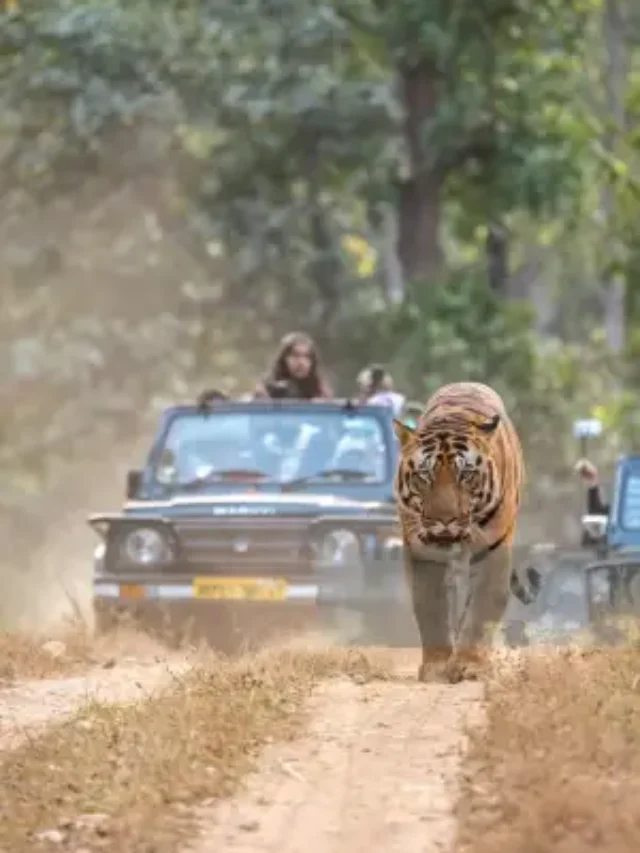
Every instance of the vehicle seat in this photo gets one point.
(317, 454)
(356, 459)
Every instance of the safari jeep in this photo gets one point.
(255, 515)
(585, 590)
(592, 591)
(613, 577)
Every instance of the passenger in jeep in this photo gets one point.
(588, 474)
(296, 371)
(375, 386)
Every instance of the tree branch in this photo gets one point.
(352, 20)
(480, 147)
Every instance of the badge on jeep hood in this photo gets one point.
(243, 509)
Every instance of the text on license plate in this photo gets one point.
(254, 589)
(131, 590)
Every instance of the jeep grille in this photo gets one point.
(244, 546)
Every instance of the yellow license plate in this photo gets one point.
(131, 590)
(249, 589)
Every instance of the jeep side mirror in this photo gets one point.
(134, 478)
(594, 529)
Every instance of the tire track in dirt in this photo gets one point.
(27, 708)
(377, 771)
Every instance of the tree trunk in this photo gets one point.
(325, 270)
(391, 267)
(615, 73)
(420, 199)
(530, 283)
(497, 255)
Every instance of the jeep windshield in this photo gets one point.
(630, 500)
(210, 451)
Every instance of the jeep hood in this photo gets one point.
(256, 504)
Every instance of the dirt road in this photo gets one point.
(30, 706)
(377, 771)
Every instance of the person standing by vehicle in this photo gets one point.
(296, 372)
(588, 474)
(375, 386)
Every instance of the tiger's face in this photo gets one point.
(446, 483)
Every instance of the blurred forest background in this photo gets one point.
(451, 187)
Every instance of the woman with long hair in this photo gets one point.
(296, 371)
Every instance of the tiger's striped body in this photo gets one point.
(457, 487)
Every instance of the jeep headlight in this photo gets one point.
(99, 555)
(146, 546)
(339, 548)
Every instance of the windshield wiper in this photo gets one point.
(224, 475)
(343, 473)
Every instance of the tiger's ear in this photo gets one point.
(491, 425)
(402, 431)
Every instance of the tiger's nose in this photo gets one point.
(445, 477)
(445, 503)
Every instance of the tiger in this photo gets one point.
(457, 488)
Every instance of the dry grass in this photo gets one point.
(556, 765)
(25, 656)
(139, 768)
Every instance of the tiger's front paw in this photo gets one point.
(466, 665)
(433, 661)
(456, 671)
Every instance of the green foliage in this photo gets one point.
(290, 116)
(283, 123)
(69, 74)
(453, 331)
(461, 331)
